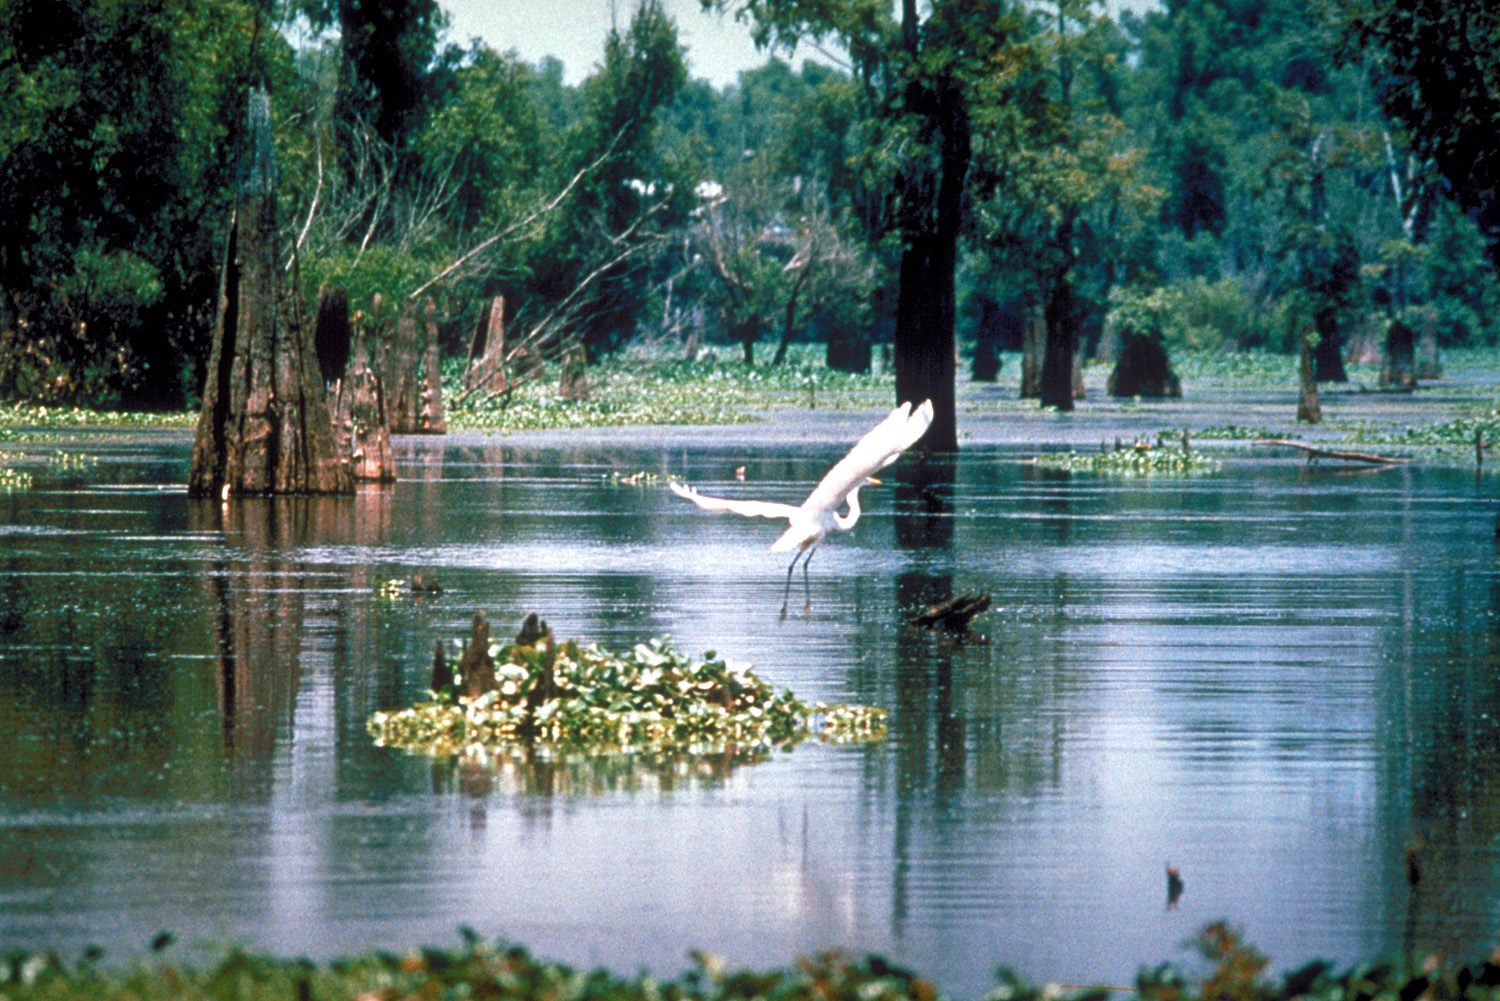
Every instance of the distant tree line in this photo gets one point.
(1249, 173)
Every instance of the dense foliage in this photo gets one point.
(1280, 173)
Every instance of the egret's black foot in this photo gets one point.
(783, 613)
(807, 610)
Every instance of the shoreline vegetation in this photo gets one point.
(1229, 399)
(482, 968)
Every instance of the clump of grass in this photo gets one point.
(1138, 460)
(651, 699)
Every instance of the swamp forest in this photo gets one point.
(403, 440)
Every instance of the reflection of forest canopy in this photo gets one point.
(970, 164)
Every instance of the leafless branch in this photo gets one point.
(514, 227)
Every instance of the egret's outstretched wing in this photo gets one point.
(879, 447)
(748, 508)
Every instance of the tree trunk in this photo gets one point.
(746, 332)
(848, 349)
(1328, 358)
(1033, 349)
(1308, 409)
(265, 426)
(1143, 369)
(1400, 365)
(986, 364)
(925, 365)
(1057, 361)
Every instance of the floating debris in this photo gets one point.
(650, 700)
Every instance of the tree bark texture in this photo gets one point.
(398, 364)
(925, 312)
(359, 421)
(265, 425)
(485, 371)
(432, 418)
(1057, 359)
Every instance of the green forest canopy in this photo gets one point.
(1261, 163)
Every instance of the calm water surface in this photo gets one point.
(1271, 677)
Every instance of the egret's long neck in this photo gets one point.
(845, 522)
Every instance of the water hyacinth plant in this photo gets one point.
(1140, 459)
(565, 698)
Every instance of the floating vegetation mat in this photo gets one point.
(11, 479)
(563, 699)
(1137, 460)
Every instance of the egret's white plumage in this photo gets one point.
(811, 522)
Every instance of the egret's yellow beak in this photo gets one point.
(872, 481)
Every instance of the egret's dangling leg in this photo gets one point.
(806, 586)
(786, 592)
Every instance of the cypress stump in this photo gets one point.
(265, 426)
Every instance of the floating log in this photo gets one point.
(1314, 452)
(954, 615)
(265, 426)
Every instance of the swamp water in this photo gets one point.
(1271, 677)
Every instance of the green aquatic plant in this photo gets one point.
(651, 699)
(640, 478)
(640, 386)
(17, 416)
(1137, 460)
(12, 479)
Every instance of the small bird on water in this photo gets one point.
(818, 515)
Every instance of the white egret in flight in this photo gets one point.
(818, 515)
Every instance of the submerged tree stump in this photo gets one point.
(265, 425)
(432, 419)
(397, 364)
(359, 420)
(485, 370)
